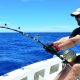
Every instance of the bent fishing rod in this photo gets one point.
(33, 38)
(25, 34)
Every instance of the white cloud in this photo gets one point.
(25, 0)
(2, 17)
(67, 28)
(30, 0)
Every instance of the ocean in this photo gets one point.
(17, 50)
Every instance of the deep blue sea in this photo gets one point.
(17, 50)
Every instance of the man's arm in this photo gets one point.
(60, 41)
(62, 44)
(70, 42)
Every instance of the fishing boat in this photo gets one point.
(43, 70)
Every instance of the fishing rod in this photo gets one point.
(33, 38)
(25, 34)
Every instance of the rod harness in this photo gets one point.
(38, 41)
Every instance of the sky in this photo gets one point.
(39, 15)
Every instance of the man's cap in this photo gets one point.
(77, 12)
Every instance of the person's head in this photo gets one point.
(76, 14)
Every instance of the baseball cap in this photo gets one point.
(77, 12)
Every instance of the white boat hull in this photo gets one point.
(44, 70)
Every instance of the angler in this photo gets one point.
(69, 73)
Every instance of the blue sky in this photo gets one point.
(39, 15)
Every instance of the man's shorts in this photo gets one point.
(77, 60)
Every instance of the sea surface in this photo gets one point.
(17, 50)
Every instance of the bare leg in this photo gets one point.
(63, 73)
(74, 72)
(69, 73)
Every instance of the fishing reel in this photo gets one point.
(69, 56)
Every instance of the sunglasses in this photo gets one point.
(77, 16)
